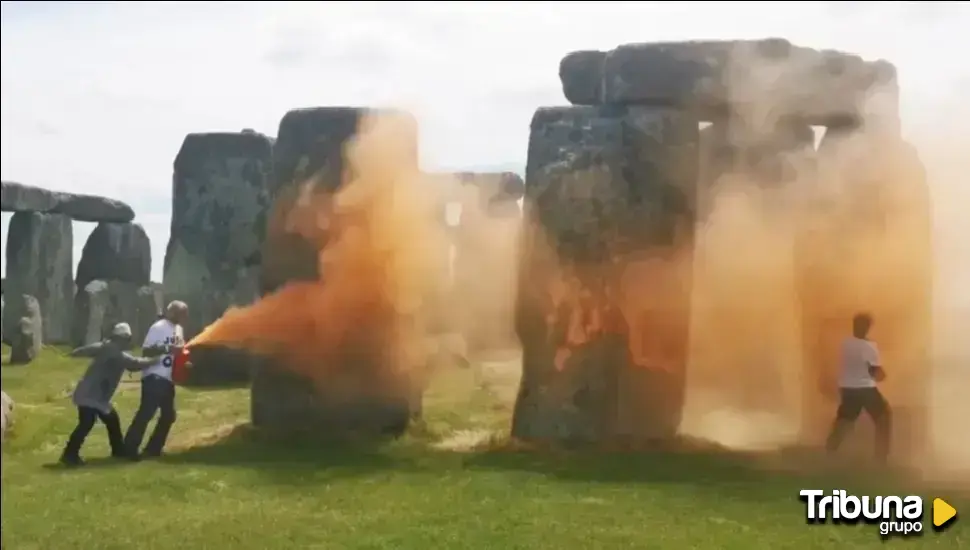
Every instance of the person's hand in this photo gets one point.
(878, 373)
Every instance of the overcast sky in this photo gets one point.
(97, 97)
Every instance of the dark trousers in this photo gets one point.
(157, 394)
(86, 417)
(854, 401)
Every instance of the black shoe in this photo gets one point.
(72, 461)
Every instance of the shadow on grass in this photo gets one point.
(291, 461)
(302, 462)
(89, 463)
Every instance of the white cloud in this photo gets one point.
(97, 97)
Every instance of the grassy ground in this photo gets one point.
(220, 487)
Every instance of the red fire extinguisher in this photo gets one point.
(180, 366)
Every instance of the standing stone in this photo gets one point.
(26, 340)
(609, 200)
(39, 263)
(101, 304)
(363, 393)
(90, 309)
(220, 202)
(220, 199)
(116, 252)
(149, 301)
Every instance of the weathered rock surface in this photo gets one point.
(215, 366)
(607, 238)
(220, 200)
(707, 76)
(91, 208)
(25, 338)
(309, 150)
(39, 263)
(18, 197)
(7, 418)
(101, 304)
(116, 252)
(287, 404)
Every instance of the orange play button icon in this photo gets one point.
(943, 512)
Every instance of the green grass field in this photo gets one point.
(222, 487)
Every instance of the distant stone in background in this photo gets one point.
(26, 340)
(18, 197)
(39, 263)
(102, 304)
(115, 252)
(89, 208)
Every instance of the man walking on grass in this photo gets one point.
(93, 393)
(163, 341)
(861, 370)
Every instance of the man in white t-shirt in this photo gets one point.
(861, 370)
(163, 341)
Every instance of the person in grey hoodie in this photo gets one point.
(93, 393)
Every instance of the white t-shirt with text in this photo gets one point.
(858, 355)
(167, 333)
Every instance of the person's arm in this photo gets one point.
(89, 350)
(875, 363)
(154, 346)
(133, 363)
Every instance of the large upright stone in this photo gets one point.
(708, 76)
(604, 283)
(39, 263)
(308, 151)
(220, 200)
(115, 252)
(362, 393)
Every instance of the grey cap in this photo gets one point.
(121, 330)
